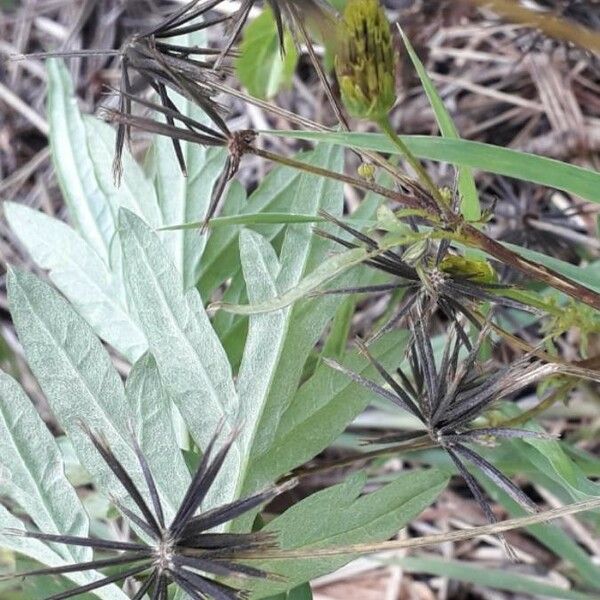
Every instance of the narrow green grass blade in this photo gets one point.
(330, 268)
(250, 219)
(589, 276)
(470, 207)
(499, 579)
(477, 155)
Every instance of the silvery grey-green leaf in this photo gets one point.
(75, 374)
(182, 199)
(152, 412)
(82, 149)
(80, 274)
(32, 470)
(85, 199)
(301, 253)
(44, 555)
(135, 191)
(265, 339)
(193, 365)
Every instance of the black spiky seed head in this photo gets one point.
(438, 279)
(187, 553)
(149, 58)
(447, 395)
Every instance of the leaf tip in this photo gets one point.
(127, 219)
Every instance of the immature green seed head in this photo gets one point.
(478, 271)
(367, 171)
(365, 64)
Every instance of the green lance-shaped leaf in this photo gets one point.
(301, 252)
(337, 516)
(247, 219)
(589, 275)
(548, 534)
(332, 267)
(185, 199)
(327, 397)
(82, 151)
(153, 426)
(32, 470)
(221, 257)
(261, 67)
(482, 575)
(264, 343)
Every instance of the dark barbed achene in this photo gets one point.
(163, 66)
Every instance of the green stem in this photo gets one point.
(429, 540)
(414, 162)
(464, 231)
(539, 408)
(412, 446)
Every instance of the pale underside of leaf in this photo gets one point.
(153, 427)
(301, 253)
(76, 375)
(42, 554)
(266, 335)
(80, 274)
(193, 365)
(33, 474)
(74, 168)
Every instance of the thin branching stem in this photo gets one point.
(333, 102)
(268, 106)
(438, 538)
(414, 162)
(539, 272)
(541, 407)
(301, 121)
(363, 184)
(464, 231)
(422, 443)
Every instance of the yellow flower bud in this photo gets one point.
(479, 271)
(365, 63)
(367, 171)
